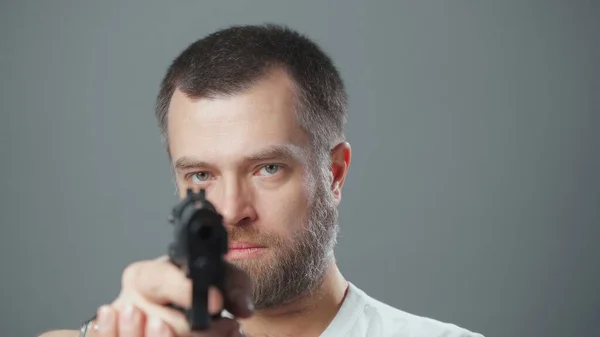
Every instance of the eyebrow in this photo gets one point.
(277, 152)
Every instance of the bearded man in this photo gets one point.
(255, 116)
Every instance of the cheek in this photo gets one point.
(283, 210)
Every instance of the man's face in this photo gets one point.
(255, 163)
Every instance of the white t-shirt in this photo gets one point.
(363, 316)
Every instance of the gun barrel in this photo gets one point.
(199, 246)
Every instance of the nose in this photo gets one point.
(233, 200)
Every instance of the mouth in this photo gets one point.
(243, 250)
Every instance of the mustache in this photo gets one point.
(254, 236)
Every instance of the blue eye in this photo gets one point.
(200, 177)
(270, 169)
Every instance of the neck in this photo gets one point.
(307, 316)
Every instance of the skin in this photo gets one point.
(226, 146)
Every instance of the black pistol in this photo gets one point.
(199, 246)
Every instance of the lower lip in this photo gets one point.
(244, 253)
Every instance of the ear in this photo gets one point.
(340, 162)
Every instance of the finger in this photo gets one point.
(163, 258)
(238, 288)
(159, 281)
(215, 301)
(156, 327)
(93, 329)
(106, 321)
(223, 327)
(175, 319)
(131, 322)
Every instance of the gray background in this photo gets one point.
(474, 191)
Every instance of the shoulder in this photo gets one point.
(381, 319)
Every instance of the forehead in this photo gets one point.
(229, 127)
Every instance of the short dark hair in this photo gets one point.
(230, 60)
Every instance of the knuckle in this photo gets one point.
(131, 274)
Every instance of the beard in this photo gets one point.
(298, 266)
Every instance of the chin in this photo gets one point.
(256, 266)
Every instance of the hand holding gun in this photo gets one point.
(199, 246)
(197, 253)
